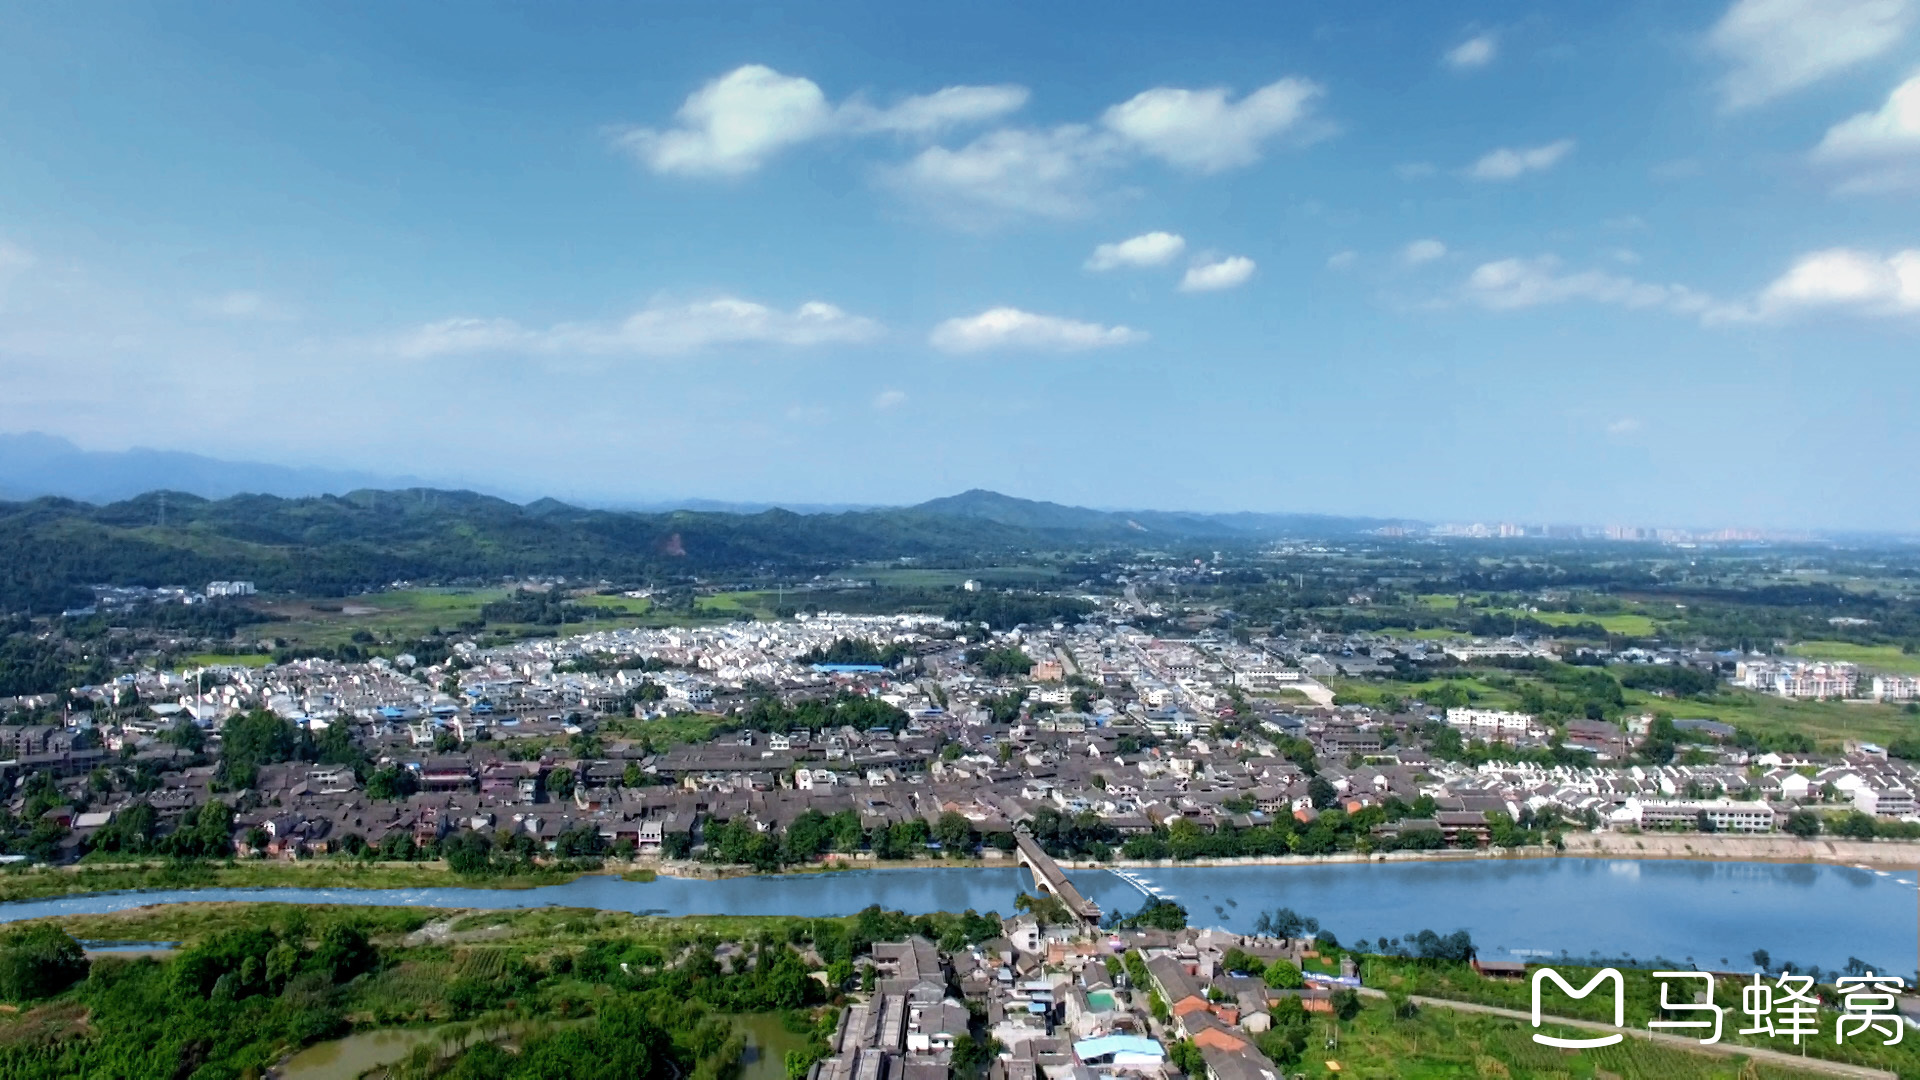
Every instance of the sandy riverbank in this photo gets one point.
(1879, 854)
(1775, 847)
(46, 882)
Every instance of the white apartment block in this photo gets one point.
(1266, 676)
(1896, 687)
(1495, 720)
(1798, 678)
(1883, 800)
(229, 588)
(1725, 814)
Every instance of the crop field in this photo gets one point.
(1886, 659)
(400, 614)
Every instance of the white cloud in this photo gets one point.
(1202, 130)
(1011, 328)
(1624, 426)
(1226, 273)
(242, 305)
(1842, 280)
(930, 114)
(1421, 251)
(1891, 131)
(734, 123)
(1342, 260)
(1007, 172)
(1475, 52)
(465, 335)
(1508, 163)
(1511, 284)
(659, 330)
(1147, 249)
(1056, 172)
(1414, 170)
(1778, 46)
(1850, 280)
(888, 400)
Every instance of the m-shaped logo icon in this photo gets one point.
(1619, 1007)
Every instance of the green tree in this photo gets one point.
(467, 852)
(253, 739)
(1321, 792)
(1047, 910)
(186, 735)
(954, 832)
(1804, 824)
(560, 782)
(1283, 975)
(392, 782)
(39, 960)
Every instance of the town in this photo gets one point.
(933, 738)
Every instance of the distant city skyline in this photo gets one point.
(1643, 263)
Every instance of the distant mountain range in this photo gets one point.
(1143, 526)
(33, 464)
(52, 548)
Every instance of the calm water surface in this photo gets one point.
(1712, 913)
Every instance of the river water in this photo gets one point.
(1713, 914)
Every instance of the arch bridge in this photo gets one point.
(1050, 880)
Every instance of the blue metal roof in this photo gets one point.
(1104, 1045)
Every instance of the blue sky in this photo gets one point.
(1636, 262)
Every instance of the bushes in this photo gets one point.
(39, 960)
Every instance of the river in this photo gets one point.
(1714, 914)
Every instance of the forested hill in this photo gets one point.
(51, 549)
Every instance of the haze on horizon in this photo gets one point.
(1641, 262)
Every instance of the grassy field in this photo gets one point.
(407, 614)
(1446, 601)
(401, 614)
(915, 577)
(1877, 658)
(44, 881)
(1629, 624)
(665, 732)
(198, 660)
(1366, 692)
(1632, 624)
(732, 605)
(1439, 1044)
(1286, 694)
(625, 605)
(1828, 723)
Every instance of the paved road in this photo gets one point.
(1764, 1056)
